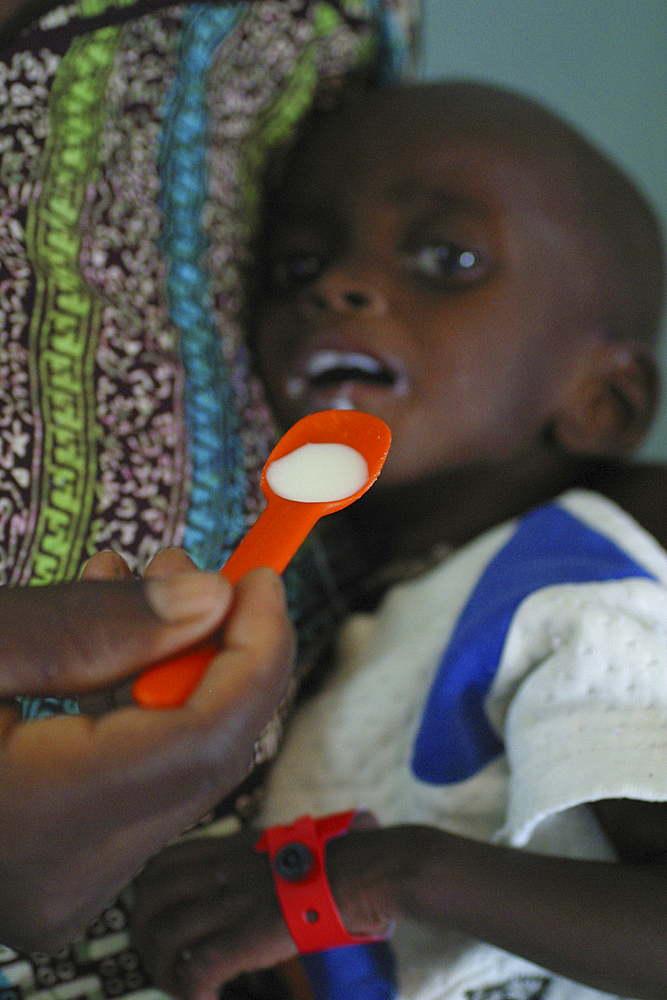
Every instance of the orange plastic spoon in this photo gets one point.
(275, 536)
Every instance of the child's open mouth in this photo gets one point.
(335, 371)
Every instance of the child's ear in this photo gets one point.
(611, 401)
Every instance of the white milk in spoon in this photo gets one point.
(318, 473)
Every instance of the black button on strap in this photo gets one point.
(293, 861)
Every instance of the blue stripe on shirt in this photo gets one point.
(550, 546)
(361, 971)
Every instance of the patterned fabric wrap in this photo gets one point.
(132, 136)
(129, 157)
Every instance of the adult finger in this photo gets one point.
(253, 670)
(106, 565)
(169, 561)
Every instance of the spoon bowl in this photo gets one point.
(284, 524)
(275, 536)
(368, 435)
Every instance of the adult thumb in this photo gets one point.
(80, 636)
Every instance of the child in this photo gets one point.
(459, 262)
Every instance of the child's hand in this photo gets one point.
(205, 911)
(84, 803)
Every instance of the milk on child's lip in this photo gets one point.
(318, 473)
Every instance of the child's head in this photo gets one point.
(456, 260)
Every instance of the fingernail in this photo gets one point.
(184, 596)
(106, 565)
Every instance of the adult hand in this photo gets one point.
(85, 802)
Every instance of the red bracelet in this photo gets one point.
(297, 861)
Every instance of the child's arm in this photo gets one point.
(84, 803)
(598, 923)
(207, 910)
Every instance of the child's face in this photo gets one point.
(419, 276)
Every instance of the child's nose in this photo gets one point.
(338, 294)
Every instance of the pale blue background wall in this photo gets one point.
(601, 63)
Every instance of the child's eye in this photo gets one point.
(295, 270)
(446, 261)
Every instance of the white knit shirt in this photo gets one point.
(579, 700)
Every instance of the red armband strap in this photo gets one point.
(297, 861)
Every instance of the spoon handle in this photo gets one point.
(274, 537)
(272, 541)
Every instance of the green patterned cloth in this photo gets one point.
(132, 136)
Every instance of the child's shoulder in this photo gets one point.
(641, 490)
